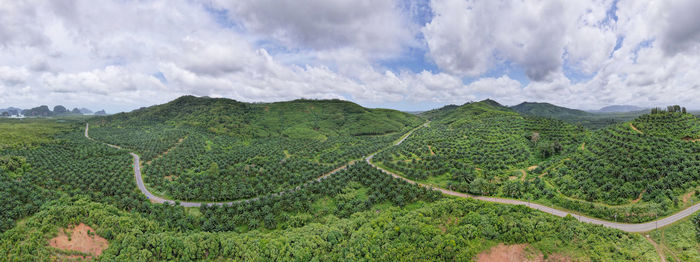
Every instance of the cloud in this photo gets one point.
(471, 37)
(12, 76)
(680, 29)
(123, 55)
(378, 27)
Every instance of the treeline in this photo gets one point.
(450, 229)
(291, 208)
(669, 109)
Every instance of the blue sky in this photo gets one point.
(408, 55)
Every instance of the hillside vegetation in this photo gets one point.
(314, 119)
(219, 149)
(203, 149)
(547, 110)
(477, 147)
(578, 117)
(645, 158)
(623, 171)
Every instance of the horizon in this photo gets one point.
(405, 55)
(51, 107)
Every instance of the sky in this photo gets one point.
(415, 55)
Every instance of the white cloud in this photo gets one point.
(470, 37)
(13, 76)
(680, 28)
(377, 27)
(127, 54)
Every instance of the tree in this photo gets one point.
(213, 169)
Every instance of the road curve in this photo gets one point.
(156, 199)
(641, 227)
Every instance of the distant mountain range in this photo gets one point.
(619, 109)
(44, 111)
(548, 110)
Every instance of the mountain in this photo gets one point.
(297, 119)
(101, 113)
(548, 110)
(431, 114)
(650, 158)
(619, 109)
(85, 111)
(60, 110)
(38, 111)
(10, 111)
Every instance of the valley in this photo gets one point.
(470, 178)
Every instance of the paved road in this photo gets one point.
(642, 227)
(156, 199)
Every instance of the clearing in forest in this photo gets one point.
(179, 141)
(80, 238)
(658, 249)
(519, 252)
(635, 129)
(687, 196)
(639, 197)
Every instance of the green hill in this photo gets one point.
(432, 114)
(548, 110)
(675, 125)
(574, 116)
(199, 148)
(294, 119)
(646, 159)
(477, 146)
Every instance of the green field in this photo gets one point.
(201, 149)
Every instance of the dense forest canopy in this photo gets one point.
(270, 160)
(314, 119)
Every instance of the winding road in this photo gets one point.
(641, 227)
(156, 199)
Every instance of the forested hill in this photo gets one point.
(547, 110)
(677, 125)
(466, 112)
(295, 119)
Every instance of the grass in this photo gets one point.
(678, 240)
(29, 132)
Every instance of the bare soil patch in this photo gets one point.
(170, 177)
(687, 196)
(509, 253)
(524, 175)
(639, 197)
(583, 146)
(532, 168)
(78, 239)
(691, 139)
(518, 253)
(431, 150)
(635, 129)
